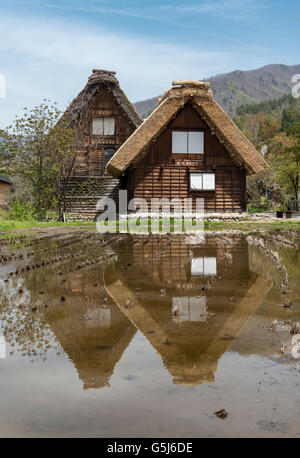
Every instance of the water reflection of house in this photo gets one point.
(92, 331)
(155, 275)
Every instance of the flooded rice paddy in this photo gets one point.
(148, 336)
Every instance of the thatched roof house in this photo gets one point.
(188, 139)
(103, 118)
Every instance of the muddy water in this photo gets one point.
(148, 336)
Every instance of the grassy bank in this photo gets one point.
(287, 224)
(12, 225)
(15, 225)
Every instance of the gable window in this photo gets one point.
(202, 181)
(103, 126)
(187, 142)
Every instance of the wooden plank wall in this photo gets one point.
(4, 192)
(90, 158)
(167, 259)
(163, 174)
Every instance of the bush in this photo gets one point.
(252, 208)
(18, 210)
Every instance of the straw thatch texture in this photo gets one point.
(98, 78)
(200, 96)
(139, 140)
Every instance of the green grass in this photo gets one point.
(243, 225)
(223, 225)
(15, 225)
(252, 224)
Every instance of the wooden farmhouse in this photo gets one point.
(104, 118)
(188, 148)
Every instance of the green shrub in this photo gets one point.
(20, 211)
(252, 208)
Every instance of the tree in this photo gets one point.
(41, 150)
(282, 141)
(285, 158)
(259, 128)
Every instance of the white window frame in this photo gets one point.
(106, 126)
(200, 177)
(189, 308)
(205, 266)
(187, 139)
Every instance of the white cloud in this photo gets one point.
(231, 9)
(92, 7)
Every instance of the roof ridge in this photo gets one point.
(91, 88)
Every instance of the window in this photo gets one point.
(98, 317)
(202, 181)
(108, 154)
(189, 308)
(204, 266)
(187, 142)
(103, 126)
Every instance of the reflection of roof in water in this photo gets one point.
(189, 351)
(94, 350)
(92, 332)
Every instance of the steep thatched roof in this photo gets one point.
(95, 81)
(200, 96)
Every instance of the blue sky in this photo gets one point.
(49, 47)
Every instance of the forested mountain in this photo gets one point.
(273, 107)
(242, 87)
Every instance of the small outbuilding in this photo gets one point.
(188, 148)
(5, 188)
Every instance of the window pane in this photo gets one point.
(196, 180)
(195, 142)
(197, 266)
(109, 126)
(208, 181)
(210, 266)
(108, 153)
(198, 308)
(189, 308)
(98, 126)
(179, 142)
